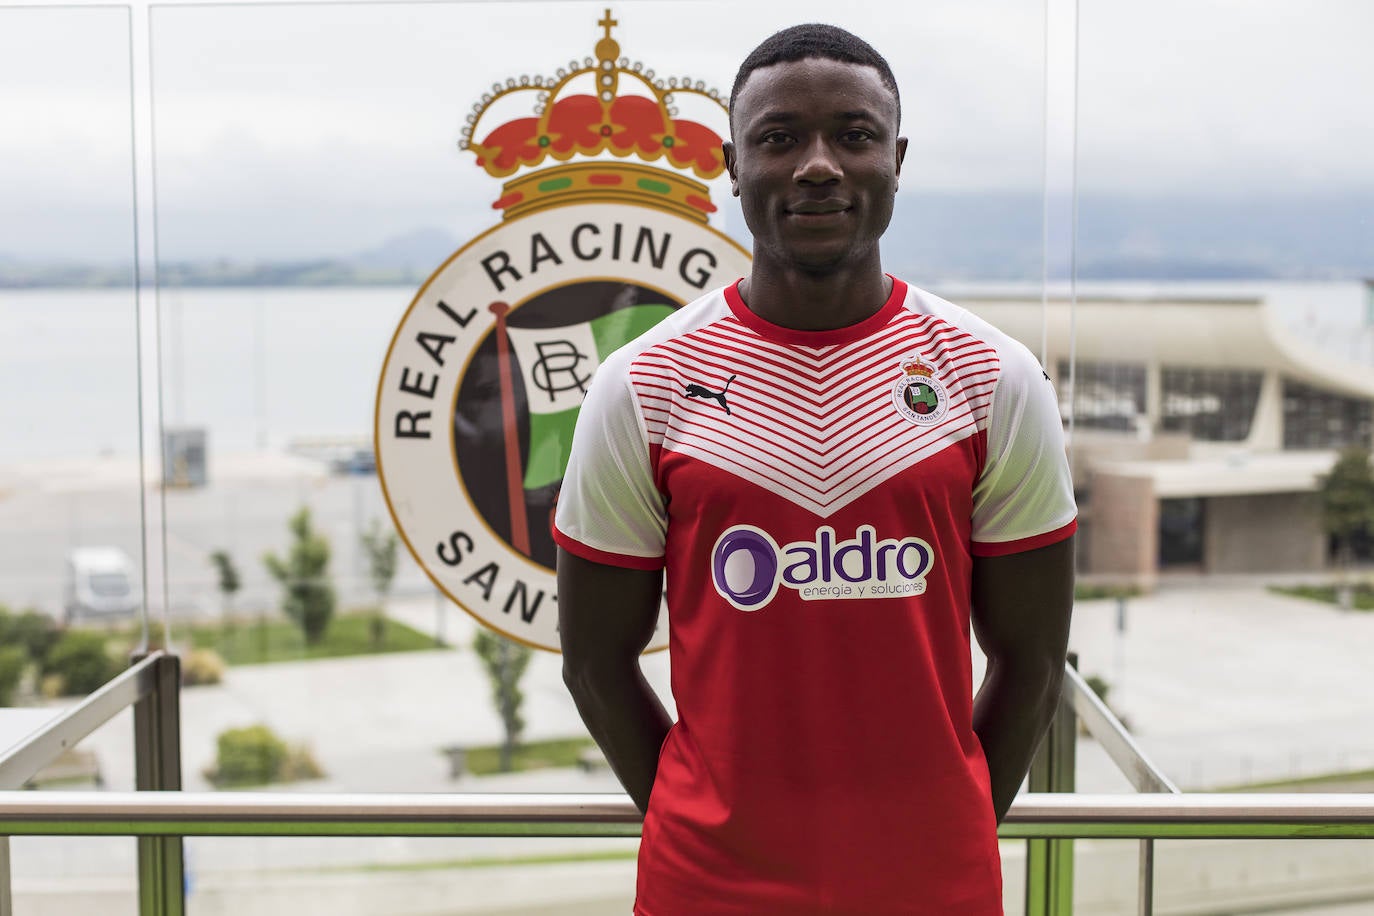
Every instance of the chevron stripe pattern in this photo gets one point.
(813, 425)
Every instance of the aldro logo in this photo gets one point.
(603, 233)
(748, 566)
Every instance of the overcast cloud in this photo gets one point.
(300, 131)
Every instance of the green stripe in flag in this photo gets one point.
(550, 445)
(615, 330)
(552, 362)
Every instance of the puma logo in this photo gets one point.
(701, 391)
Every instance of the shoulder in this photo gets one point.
(1015, 362)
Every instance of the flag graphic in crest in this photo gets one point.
(556, 364)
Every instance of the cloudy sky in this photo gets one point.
(306, 130)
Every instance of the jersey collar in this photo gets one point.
(837, 336)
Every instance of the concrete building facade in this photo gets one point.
(1201, 428)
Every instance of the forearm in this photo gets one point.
(624, 715)
(1011, 712)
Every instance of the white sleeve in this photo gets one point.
(1024, 497)
(609, 508)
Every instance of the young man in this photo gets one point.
(838, 473)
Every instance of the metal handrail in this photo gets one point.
(1156, 816)
(1107, 730)
(19, 763)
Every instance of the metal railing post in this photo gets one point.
(6, 902)
(1049, 863)
(157, 768)
(1146, 896)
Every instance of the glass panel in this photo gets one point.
(409, 877)
(1222, 245)
(74, 876)
(1292, 877)
(70, 536)
(83, 876)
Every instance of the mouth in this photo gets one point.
(818, 207)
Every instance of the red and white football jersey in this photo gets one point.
(816, 500)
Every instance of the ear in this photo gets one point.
(901, 154)
(727, 150)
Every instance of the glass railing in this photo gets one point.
(1049, 817)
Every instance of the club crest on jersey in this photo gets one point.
(748, 567)
(604, 231)
(918, 395)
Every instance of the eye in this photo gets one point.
(776, 136)
(856, 135)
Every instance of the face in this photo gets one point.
(814, 161)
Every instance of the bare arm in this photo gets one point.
(606, 617)
(1021, 607)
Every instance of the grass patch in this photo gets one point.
(1088, 592)
(532, 755)
(1363, 594)
(1349, 778)
(250, 641)
(553, 858)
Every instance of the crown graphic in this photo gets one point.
(567, 124)
(914, 367)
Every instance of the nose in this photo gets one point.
(818, 164)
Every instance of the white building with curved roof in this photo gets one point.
(1202, 426)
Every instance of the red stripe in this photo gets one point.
(604, 179)
(1003, 548)
(625, 561)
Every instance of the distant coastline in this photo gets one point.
(38, 275)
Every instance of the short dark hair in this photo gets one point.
(815, 39)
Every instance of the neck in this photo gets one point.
(815, 302)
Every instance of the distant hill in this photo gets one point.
(1123, 237)
(934, 236)
(421, 250)
(402, 259)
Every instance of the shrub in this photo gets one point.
(255, 756)
(13, 661)
(202, 666)
(30, 631)
(249, 756)
(80, 659)
(299, 764)
(1098, 684)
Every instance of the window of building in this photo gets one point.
(1107, 395)
(1213, 405)
(1314, 418)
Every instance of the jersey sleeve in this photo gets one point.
(609, 508)
(1024, 497)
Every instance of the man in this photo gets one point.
(837, 472)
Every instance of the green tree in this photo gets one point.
(1347, 497)
(307, 594)
(1347, 501)
(505, 663)
(229, 581)
(380, 546)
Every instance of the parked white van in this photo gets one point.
(100, 582)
